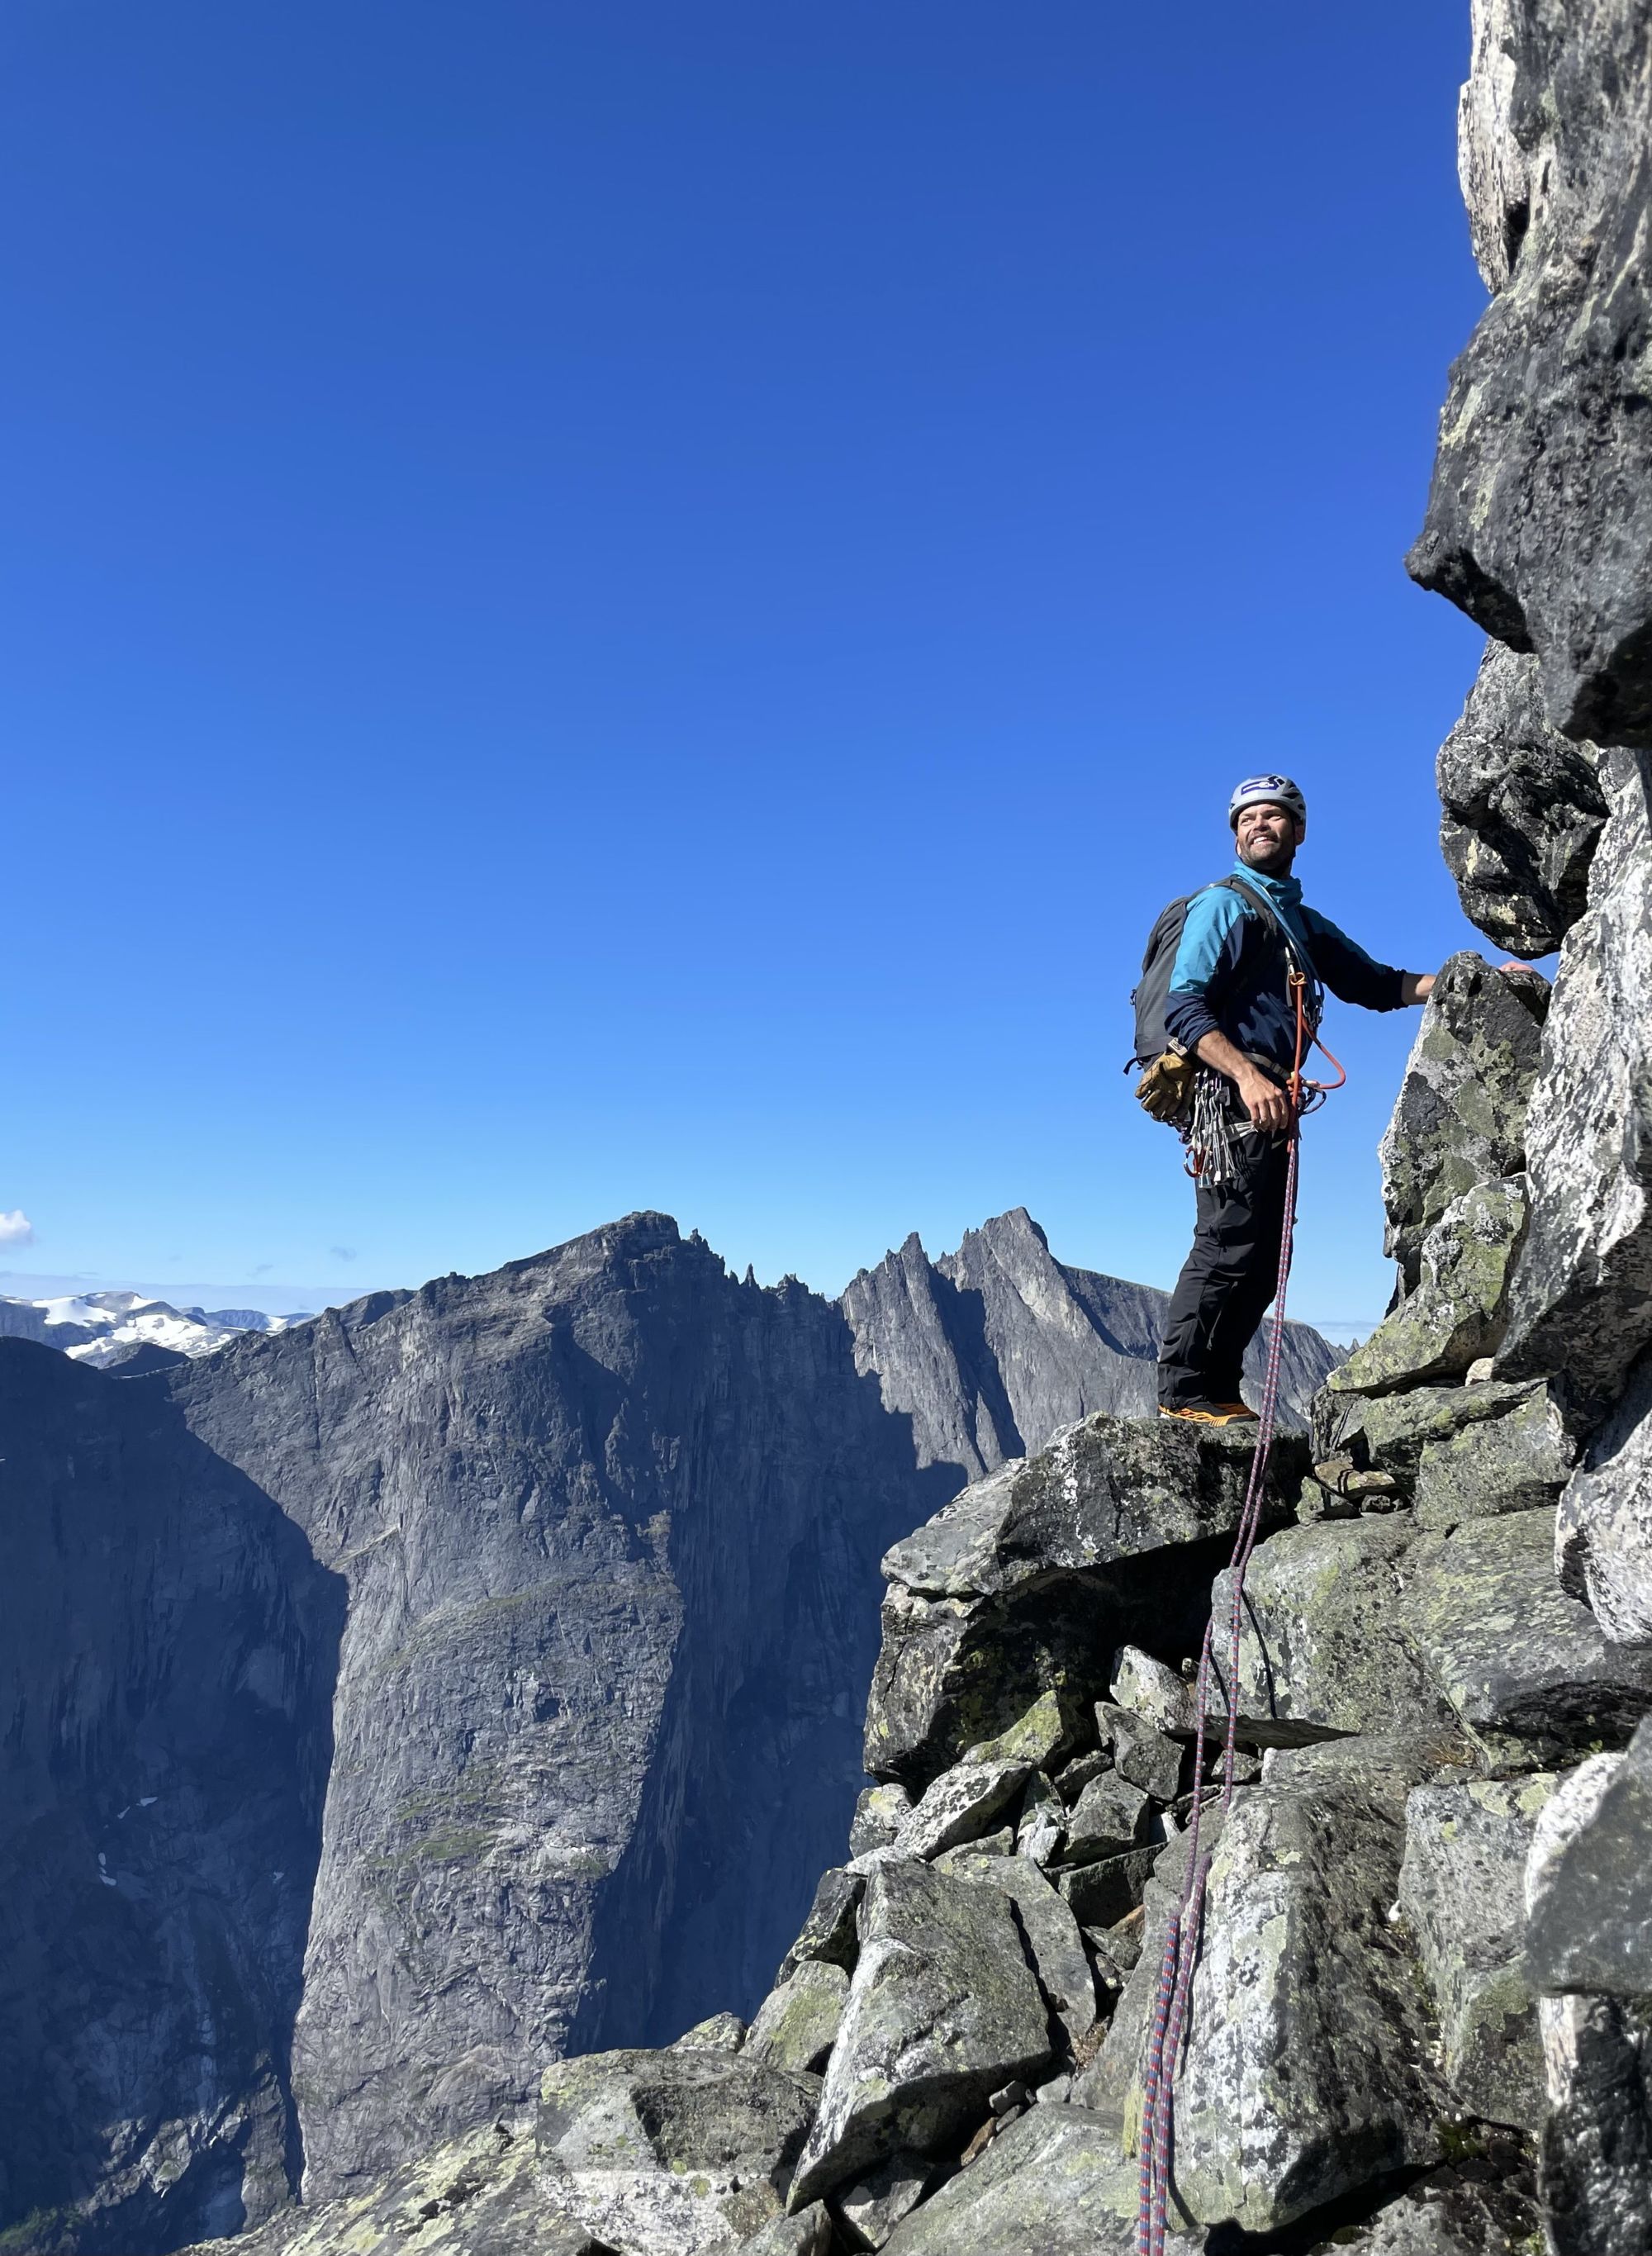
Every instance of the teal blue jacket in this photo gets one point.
(1229, 975)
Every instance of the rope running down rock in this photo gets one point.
(1182, 1942)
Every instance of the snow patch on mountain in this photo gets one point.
(105, 1327)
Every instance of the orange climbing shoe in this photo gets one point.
(1211, 1414)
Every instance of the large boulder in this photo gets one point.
(944, 2008)
(1375, 1625)
(1590, 1882)
(796, 2024)
(1306, 2071)
(1028, 1581)
(1521, 810)
(1540, 518)
(674, 2151)
(1055, 2183)
(1325, 1635)
(1589, 1917)
(1603, 1531)
(478, 2195)
(1048, 1930)
(1105, 1490)
(964, 1803)
(1508, 1647)
(1580, 1297)
(1458, 1310)
(1462, 1888)
(1517, 1460)
(1460, 1116)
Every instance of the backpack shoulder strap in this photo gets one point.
(1266, 910)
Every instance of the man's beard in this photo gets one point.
(1272, 861)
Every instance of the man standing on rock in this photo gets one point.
(1231, 1005)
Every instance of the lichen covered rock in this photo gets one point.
(1458, 1310)
(1459, 1119)
(1462, 1887)
(943, 2009)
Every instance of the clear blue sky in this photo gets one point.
(633, 604)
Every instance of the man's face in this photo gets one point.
(1268, 836)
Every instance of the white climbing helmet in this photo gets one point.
(1269, 790)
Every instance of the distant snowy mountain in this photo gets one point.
(108, 1328)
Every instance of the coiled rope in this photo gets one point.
(1182, 1941)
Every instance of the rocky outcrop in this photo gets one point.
(1033, 1577)
(1521, 810)
(1540, 520)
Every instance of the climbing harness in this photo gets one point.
(1182, 1942)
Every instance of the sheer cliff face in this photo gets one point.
(169, 1644)
(495, 1656)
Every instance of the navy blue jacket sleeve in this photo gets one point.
(1352, 975)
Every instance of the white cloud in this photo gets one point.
(16, 1229)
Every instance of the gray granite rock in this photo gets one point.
(1517, 1460)
(1150, 1689)
(1521, 810)
(1109, 1817)
(868, 2210)
(1460, 1310)
(1031, 1580)
(717, 2032)
(796, 2024)
(1101, 1894)
(1326, 1638)
(727, 2115)
(1459, 1119)
(1462, 1888)
(1142, 1754)
(1595, 2179)
(1589, 1881)
(1539, 523)
(1443, 2214)
(1048, 1930)
(1041, 1826)
(1391, 1433)
(1306, 2072)
(808, 2233)
(1580, 1298)
(828, 1932)
(961, 1805)
(1603, 1531)
(1509, 1649)
(480, 2195)
(944, 2007)
(878, 1816)
(1053, 2182)
(1105, 1490)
